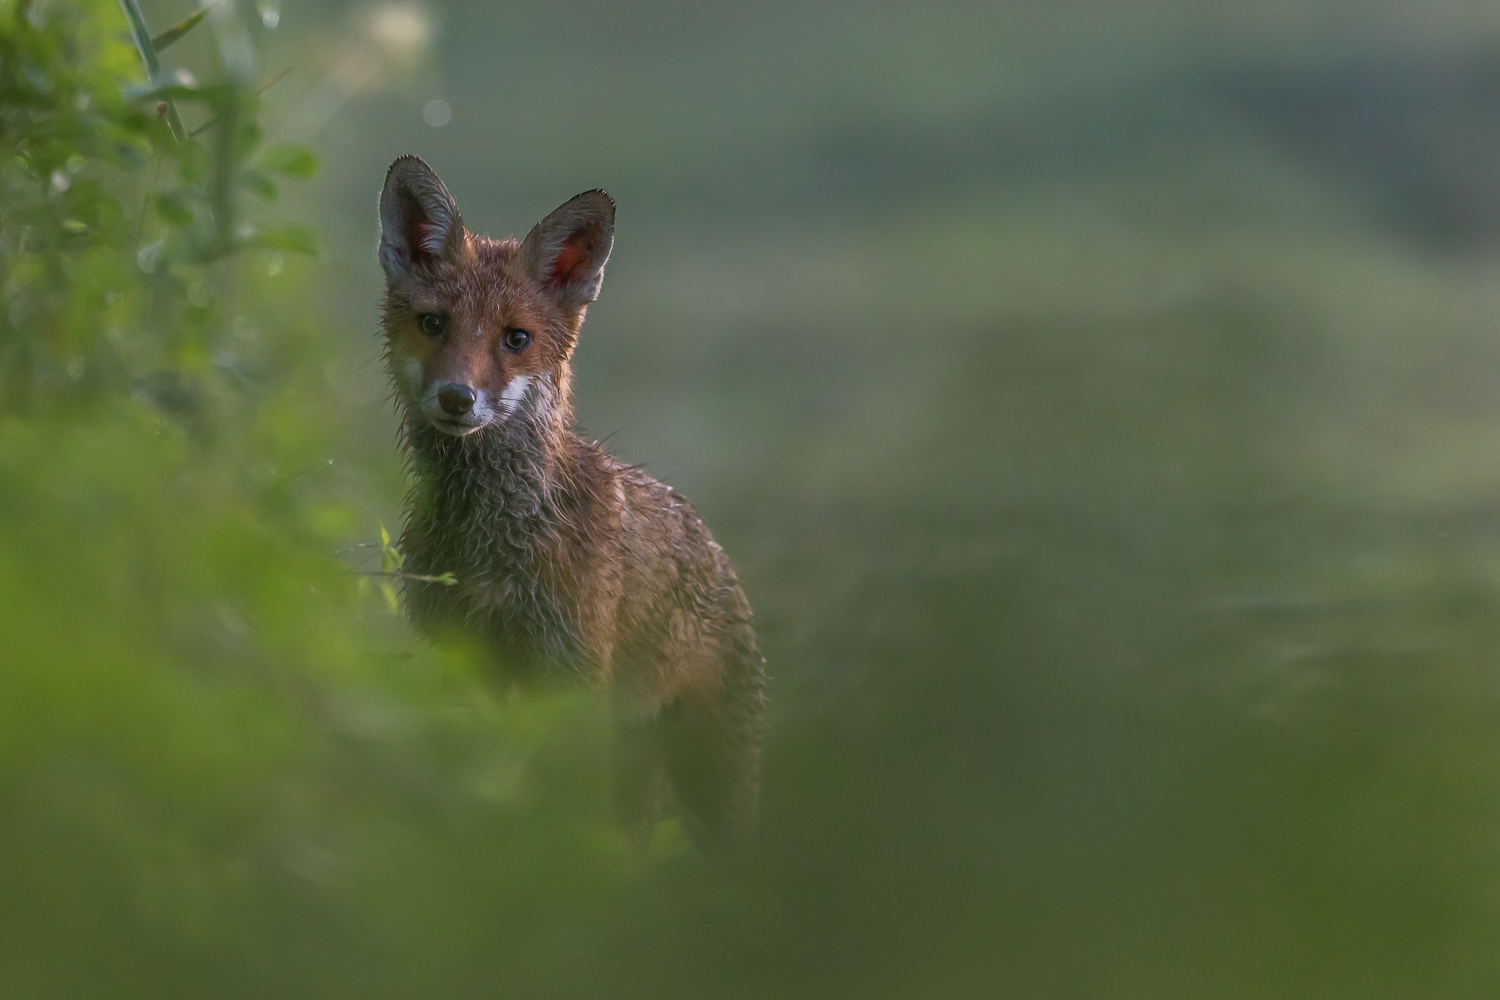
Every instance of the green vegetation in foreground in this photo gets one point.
(202, 767)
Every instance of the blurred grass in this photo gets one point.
(1096, 398)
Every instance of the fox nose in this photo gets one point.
(456, 400)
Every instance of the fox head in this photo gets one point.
(474, 326)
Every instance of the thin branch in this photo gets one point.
(147, 48)
(214, 120)
(140, 230)
(446, 579)
(274, 81)
(357, 545)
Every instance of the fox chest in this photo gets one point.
(504, 598)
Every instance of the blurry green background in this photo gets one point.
(1098, 399)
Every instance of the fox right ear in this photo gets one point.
(419, 220)
(566, 252)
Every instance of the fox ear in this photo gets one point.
(419, 220)
(566, 252)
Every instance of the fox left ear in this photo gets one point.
(419, 220)
(566, 252)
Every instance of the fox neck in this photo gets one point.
(489, 498)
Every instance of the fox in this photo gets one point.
(570, 566)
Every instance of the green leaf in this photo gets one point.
(173, 211)
(259, 185)
(289, 159)
(250, 135)
(187, 24)
(392, 603)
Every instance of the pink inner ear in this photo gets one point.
(432, 237)
(424, 239)
(569, 259)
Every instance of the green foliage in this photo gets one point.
(111, 226)
(204, 736)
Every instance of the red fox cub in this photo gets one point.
(570, 565)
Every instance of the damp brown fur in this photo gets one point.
(570, 565)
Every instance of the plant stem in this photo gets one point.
(142, 36)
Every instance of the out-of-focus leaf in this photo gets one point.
(259, 185)
(391, 558)
(289, 159)
(187, 24)
(250, 136)
(173, 211)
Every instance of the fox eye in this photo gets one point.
(515, 339)
(432, 324)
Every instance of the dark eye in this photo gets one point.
(432, 324)
(515, 339)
